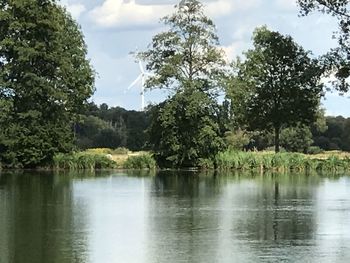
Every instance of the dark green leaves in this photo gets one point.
(186, 60)
(44, 75)
(277, 85)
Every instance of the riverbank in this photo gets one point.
(119, 159)
(228, 160)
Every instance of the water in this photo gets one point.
(174, 217)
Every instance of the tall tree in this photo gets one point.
(337, 61)
(276, 86)
(186, 60)
(44, 78)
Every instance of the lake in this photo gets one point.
(173, 217)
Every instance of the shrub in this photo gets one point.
(120, 150)
(314, 150)
(206, 164)
(143, 161)
(83, 161)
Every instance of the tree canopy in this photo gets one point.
(337, 60)
(276, 86)
(45, 79)
(186, 60)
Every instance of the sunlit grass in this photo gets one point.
(267, 161)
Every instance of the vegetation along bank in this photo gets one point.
(271, 96)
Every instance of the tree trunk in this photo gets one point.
(277, 139)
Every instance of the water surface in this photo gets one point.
(173, 217)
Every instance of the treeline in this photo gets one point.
(336, 136)
(327, 134)
(101, 126)
(111, 127)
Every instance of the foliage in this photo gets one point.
(336, 61)
(143, 161)
(296, 139)
(45, 79)
(111, 127)
(184, 130)
(186, 53)
(336, 137)
(314, 150)
(186, 60)
(237, 139)
(276, 86)
(82, 161)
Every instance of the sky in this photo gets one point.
(114, 28)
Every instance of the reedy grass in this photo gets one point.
(281, 162)
(82, 161)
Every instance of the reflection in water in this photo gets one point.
(333, 220)
(174, 217)
(40, 220)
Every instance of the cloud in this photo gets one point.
(76, 10)
(289, 5)
(235, 49)
(126, 13)
(119, 13)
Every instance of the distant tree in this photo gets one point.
(186, 60)
(296, 139)
(237, 139)
(276, 86)
(337, 61)
(45, 78)
(346, 135)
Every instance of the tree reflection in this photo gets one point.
(39, 220)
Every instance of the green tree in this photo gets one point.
(186, 60)
(296, 139)
(276, 86)
(45, 79)
(337, 60)
(237, 139)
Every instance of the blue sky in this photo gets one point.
(114, 28)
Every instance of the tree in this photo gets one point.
(276, 86)
(45, 79)
(186, 60)
(337, 61)
(296, 139)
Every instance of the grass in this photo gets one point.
(83, 161)
(282, 162)
(101, 158)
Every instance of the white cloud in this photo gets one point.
(119, 13)
(76, 10)
(287, 4)
(127, 13)
(235, 49)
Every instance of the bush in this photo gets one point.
(314, 150)
(143, 161)
(206, 164)
(236, 140)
